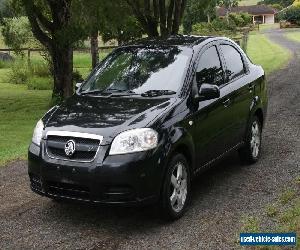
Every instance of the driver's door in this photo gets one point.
(212, 118)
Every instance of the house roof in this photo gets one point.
(252, 10)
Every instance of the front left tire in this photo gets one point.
(175, 194)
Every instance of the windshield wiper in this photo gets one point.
(110, 92)
(92, 92)
(154, 93)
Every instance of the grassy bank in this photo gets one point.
(294, 36)
(19, 110)
(282, 216)
(264, 52)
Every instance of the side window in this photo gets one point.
(234, 63)
(209, 68)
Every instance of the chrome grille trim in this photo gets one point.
(74, 135)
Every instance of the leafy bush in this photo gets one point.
(40, 83)
(17, 33)
(40, 70)
(291, 15)
(19, 73)
(77, 77)
(240, 19)
(217, 27)
(4, 64)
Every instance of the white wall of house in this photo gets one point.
(270, 19)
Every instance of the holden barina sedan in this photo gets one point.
(150, 117)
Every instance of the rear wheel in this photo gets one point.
(176, 188)
(250, 153)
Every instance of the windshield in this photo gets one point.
(139, 70)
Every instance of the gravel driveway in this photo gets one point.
(221, 196)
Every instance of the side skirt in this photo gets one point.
(211, 162)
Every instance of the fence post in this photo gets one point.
(245, 40)
(28, 56)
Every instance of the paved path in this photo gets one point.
(221, 197)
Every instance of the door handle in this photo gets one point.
(227, 102)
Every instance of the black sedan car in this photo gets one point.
(149, 118)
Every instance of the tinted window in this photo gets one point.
(210, 69)
(234, 63)
(141, 69)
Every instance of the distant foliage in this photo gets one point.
(39, 83)
(277, 6)
(125, 31)
(291, 15)
(283, 3)
(19, 73)
(40, 70)
(217, 27)
(296, 3)
(241, 19)
(220, 26)
(17, 33)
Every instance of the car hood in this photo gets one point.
(106, 116)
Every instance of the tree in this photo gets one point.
(53, 26)
(283, 3)
(198, 11)
(17, 33)
(296, 3)
(228, 5)
(100, 17)
(167, 14)
(291, 14)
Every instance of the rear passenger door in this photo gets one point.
(241, 90)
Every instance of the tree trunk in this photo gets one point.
(62, 73)
(94, 49)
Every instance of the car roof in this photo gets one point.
(178, 40)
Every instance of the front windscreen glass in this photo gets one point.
(139, 70)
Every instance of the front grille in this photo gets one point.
(68, 190)
(85, 149)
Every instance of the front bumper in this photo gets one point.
(129, 179)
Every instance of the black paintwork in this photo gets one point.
(218, 126)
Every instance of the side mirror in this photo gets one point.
(208, 92)
(78, 85)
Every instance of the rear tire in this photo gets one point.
(251, 151)
(175, 194)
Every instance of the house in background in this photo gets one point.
(260, 13)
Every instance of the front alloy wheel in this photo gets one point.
(176, 188)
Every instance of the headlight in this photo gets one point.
(135, 140)
(38, 132)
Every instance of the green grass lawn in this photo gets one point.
(248, 2)
(265, 27)
(283, 214)
(266, 53)
(294, 36)
(20, 109)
